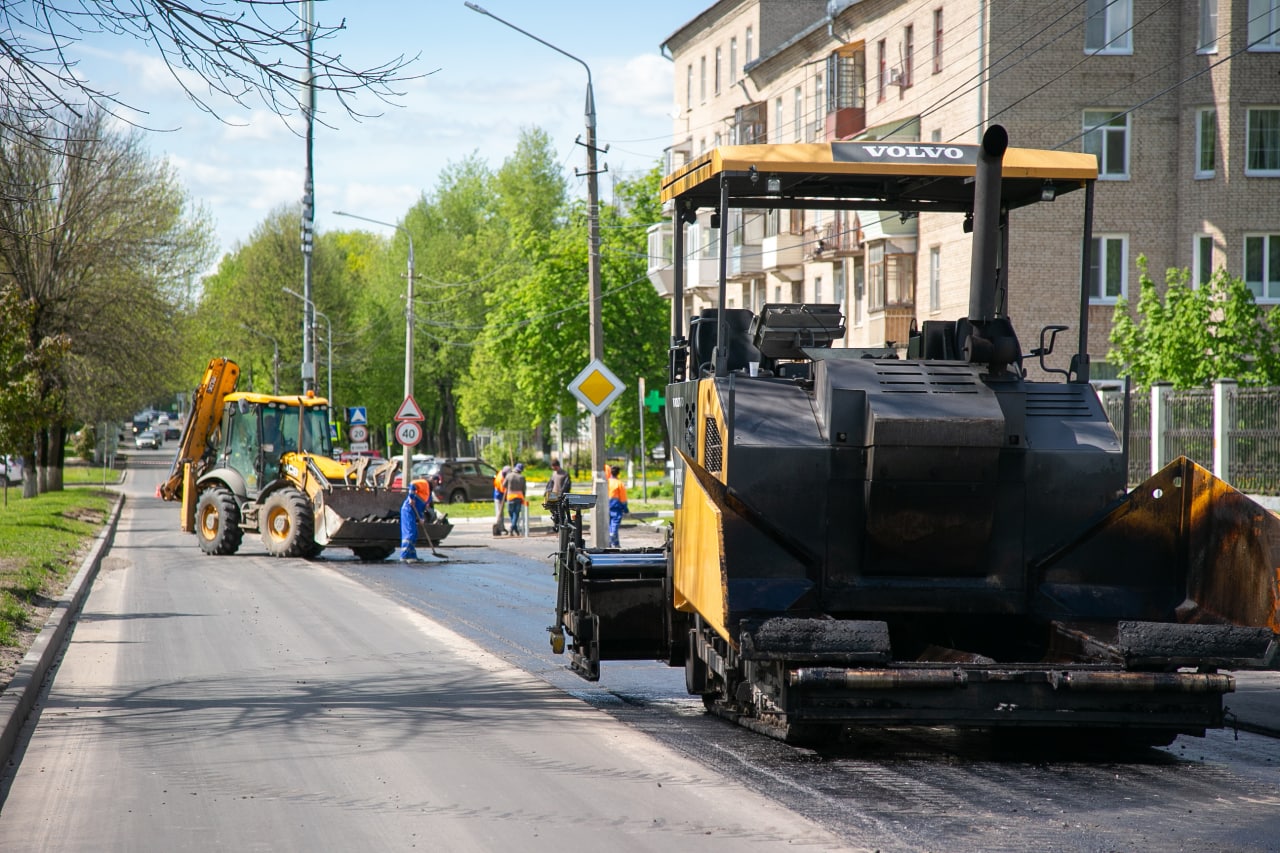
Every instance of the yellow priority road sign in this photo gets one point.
(596, 387)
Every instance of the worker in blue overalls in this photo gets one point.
(412, 512)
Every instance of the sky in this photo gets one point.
(483, 84)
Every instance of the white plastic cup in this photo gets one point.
(753, 367)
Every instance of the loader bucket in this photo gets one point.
(358, 516)
(1183, 548)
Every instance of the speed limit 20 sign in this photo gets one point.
(408, 433)
(358, 432)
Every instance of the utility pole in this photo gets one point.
(308, 210)
(599, 523)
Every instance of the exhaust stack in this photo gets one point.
(986, 338)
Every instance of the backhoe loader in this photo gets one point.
(264, 463)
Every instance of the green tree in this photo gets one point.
(100, 245)
(536, 338)
(1191, 336)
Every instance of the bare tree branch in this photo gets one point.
(220, 52)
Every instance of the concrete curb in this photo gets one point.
(20, 696)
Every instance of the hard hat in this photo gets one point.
(519, 466)
(506, 469)
(423, 488)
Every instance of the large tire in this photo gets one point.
(373, 553)
(459, 496)
(286, 524)
(218, 521)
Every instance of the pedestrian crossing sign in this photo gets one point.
(357, 415)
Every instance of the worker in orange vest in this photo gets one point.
(617, 505)
(499, 498)
(516, 501)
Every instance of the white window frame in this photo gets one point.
(733, 60)
(818, 127)
(777, 118)
(1203, 115)
(702, 79)
(1264, 25)
(817, 289)
(719, 70)
(1108, 27)
(750, 47)
(1207, 42)
(935, 279)
(1099, 136)
(1099, 259)
(1201, 248)
(1248, 144)
(1269, 275)
(798, 119)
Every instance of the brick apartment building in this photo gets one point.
(1180, 101)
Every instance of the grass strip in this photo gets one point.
(41, 542)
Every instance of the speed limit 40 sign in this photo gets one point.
(408, 433)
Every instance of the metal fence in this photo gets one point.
(1184, 424)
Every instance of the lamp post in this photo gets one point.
(599, 533)
(329, 326)
(275, 357)
(408, 328)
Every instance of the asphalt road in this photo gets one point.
(211, 703)
(249, 703)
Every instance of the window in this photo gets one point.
(1206, 142)
(718, 71)
(1262, 265)
(1202, 260)
(1108, 26)
(846, 83)
(798, 106)
(937, 41)
(935, 135)
(908, 49)
(819, 105)
(1262, 141)
(935, 279)
(702, 82)
(688, 88)
(839, 284)
(777, 116)
(1106, 136)
(817, 289)
(859, 291)
(733, 60)
(875, 276)
(1208, 40)
(882, 70)
(751, 46)
(1108, 267)
(717, 141)
(1264, 24)
(777, 293)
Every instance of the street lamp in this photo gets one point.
(408, 328)
(599, 533)
(275, 357)
(320, 313)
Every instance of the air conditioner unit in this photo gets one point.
(896, 77)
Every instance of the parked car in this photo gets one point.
(11, 469)
(172, 432)
(353, 455)
(458, 480)
(420, 465)
(148, 438)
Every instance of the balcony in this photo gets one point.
(846, 122)
(783, 254)
(661, 273)
(746, 229)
